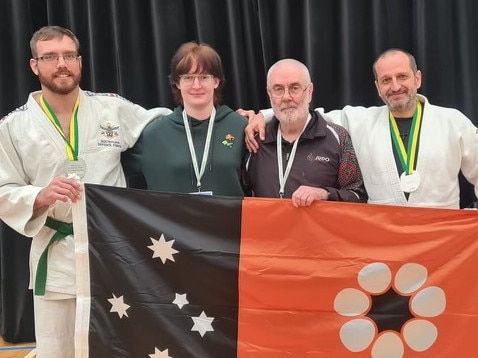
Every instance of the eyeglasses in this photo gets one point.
(294, 90)
(67, 57)
(203, 79)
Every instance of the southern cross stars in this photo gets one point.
(180, 300)
(160, 354)
(118, 305)
(202, 324)
(163, 249)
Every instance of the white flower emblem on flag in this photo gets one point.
(362, 305)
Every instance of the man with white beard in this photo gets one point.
(409, 150)
(302, 157)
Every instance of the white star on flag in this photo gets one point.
(202, 324)
(163, 249)
(180, 300)
(118, 305)
(160, 354)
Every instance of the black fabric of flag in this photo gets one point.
(121, 226)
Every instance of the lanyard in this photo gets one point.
(284, 175)
(407, 157)
(199, 172)
(72, 143)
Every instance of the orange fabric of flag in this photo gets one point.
(357, 280)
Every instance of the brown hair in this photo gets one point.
(207, 61)
(49, 33)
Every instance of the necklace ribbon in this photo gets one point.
(199, 172)
(407, 157)
(284, 175)
(72, 142)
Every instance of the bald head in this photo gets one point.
(395, 52)
(288, 65)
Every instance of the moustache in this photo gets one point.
(392, 93)
(62, 73)
(284, 108)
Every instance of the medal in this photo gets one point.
(77, 167)
(409, 183)
(74, 166)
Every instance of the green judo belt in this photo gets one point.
(62, 230)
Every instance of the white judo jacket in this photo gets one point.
(448, 143)
(32, 153)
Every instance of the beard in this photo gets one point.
(402, 105)
(292, 117)
(62, 88)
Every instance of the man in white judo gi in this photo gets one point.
(410, 151)
(62, 133)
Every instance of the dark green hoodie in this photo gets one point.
(162, 154)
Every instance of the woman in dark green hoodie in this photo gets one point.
(200, 146)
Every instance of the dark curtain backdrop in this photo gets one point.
(127, 46)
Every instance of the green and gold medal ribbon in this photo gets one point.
(407, 157)
(72, 142)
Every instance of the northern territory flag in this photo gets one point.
(180, 275)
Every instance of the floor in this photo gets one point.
(20, 350)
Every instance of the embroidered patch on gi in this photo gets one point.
(109, 135)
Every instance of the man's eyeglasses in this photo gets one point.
(188, 80)
(294, 90)
(67, 57)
